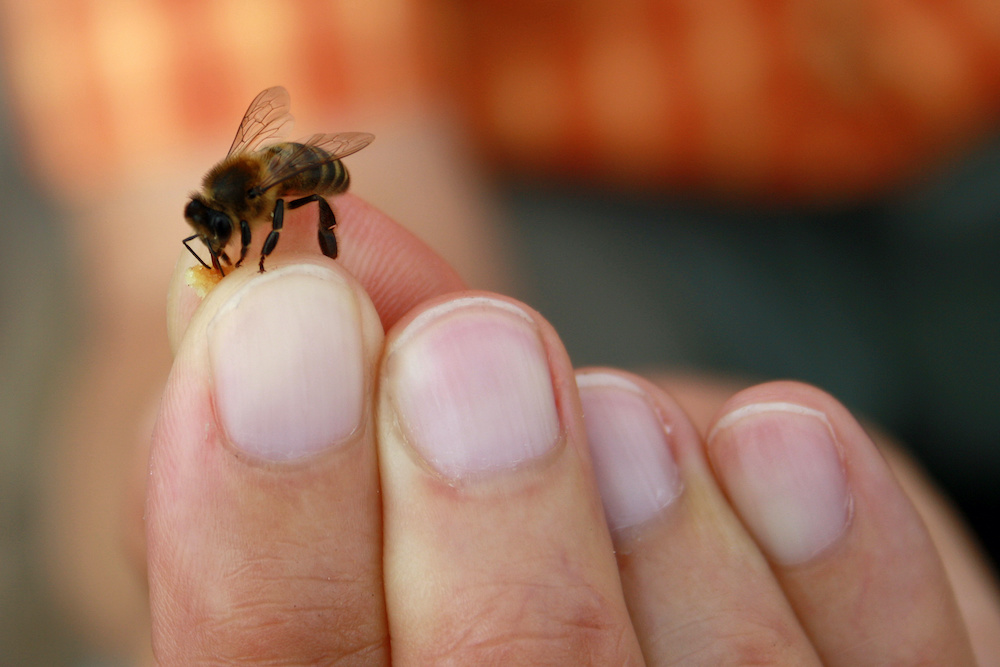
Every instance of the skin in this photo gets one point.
(365, 552)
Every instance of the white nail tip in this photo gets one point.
(309, 270)
(437, 312)
(763, 408)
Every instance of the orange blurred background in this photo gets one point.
(811, 99)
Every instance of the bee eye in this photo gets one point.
(221, 225)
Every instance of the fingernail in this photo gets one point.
(470, 383)
(630, 447)
(780, 465)
(287, 363)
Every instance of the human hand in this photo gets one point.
(321, 493)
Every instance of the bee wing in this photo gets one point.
(339, 145)
(266, 118)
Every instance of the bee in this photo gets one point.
(259, 172)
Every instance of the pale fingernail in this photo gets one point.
(629, 444)
(781, 468)
(470, 383)
(287, 362)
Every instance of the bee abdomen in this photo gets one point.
(323, 176)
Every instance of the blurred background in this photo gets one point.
(805, 190)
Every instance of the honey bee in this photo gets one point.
(255, 178)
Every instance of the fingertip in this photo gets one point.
(846, 544)
(635, 433)
(782, 467)
(471, 382)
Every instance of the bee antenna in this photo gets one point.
(191, 250)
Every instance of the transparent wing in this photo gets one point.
(341, 144)
(267, 118)
(286, 165)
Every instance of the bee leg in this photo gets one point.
(277, 221)
(244, 241)
(215, 263)
(327, 221)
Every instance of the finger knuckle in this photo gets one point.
(534, 624)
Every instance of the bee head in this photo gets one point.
(214, 227)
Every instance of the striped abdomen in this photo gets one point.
(320, 173)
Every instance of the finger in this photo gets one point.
(393, 266)
(847, 546)
(697, 587)
(263, 514)
(496, 551)
(971, 575)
